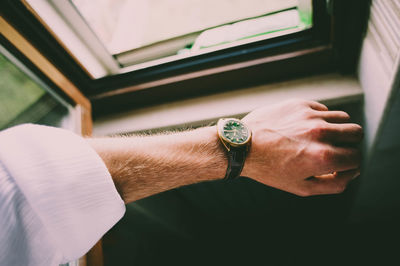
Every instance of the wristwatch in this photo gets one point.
(236, 138)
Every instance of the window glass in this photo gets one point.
(22, 100)
(129, 25)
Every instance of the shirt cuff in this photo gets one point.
(66, 184)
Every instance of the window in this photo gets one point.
(23, 100)
(126, 25)
(131, 29)
(220, 49)
(145, 33)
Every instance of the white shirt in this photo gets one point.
(57, 198)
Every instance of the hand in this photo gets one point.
(300, 147)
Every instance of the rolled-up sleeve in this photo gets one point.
(57, 197)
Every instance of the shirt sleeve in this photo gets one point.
(57, 198)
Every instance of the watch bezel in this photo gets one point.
(220, 128)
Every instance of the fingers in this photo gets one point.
(341, 133)
(344, 159)
(328, 184)
(334, 127)
(326, 158)
(334, 116)
(317, 106)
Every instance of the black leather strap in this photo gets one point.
(236, 158)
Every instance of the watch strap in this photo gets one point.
(236, 159)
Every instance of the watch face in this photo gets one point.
(235, 131)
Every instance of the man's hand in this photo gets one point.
(301, 147)
(297, 146)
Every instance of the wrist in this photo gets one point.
(214, 150)
(247, 168)
(235, 136)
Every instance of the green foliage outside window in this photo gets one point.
(17, 91)
(22, 100)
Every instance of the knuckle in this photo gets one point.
(292, 100)
(296, 102)
(299, 101)
(326, 155)
(308, 114)
(318, 130)
(323, 155)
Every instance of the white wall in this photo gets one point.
(378, 65)
(377, 196)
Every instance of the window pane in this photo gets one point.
(124, 25)
(22, 100)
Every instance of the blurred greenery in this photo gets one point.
(17, 91)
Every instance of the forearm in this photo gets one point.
(293, 148)
(143, 166)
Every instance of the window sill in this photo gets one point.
(331, 89)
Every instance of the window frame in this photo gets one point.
(316, 50)
(49, 76)
(68, 19)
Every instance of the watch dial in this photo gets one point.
(235, 132)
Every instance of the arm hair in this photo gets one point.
(145, 165)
